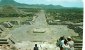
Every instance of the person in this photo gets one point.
(71, 43)
(36, 48)
(66, 46)
(61, 42)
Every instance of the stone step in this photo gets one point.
(77, 46)
(78, 41)
(3, 42)
(3, 39)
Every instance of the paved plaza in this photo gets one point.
(24, 35)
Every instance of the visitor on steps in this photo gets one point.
(71, 43)
(61, 42)
(36, 48)
(66, 46)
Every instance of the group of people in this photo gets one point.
(66, 43)
(63, 43)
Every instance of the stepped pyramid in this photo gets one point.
(9, 7)
(8, 2)
(9, 10)
(12, 2)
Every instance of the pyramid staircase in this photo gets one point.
(4, 42)
(78, 43)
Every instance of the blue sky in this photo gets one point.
(65, 3)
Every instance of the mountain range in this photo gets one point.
(21, 5)
(14, 3)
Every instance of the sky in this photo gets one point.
(65, 3)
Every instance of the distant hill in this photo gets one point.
(20, 5)
(11, 2)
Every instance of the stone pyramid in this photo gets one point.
(9, 10)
